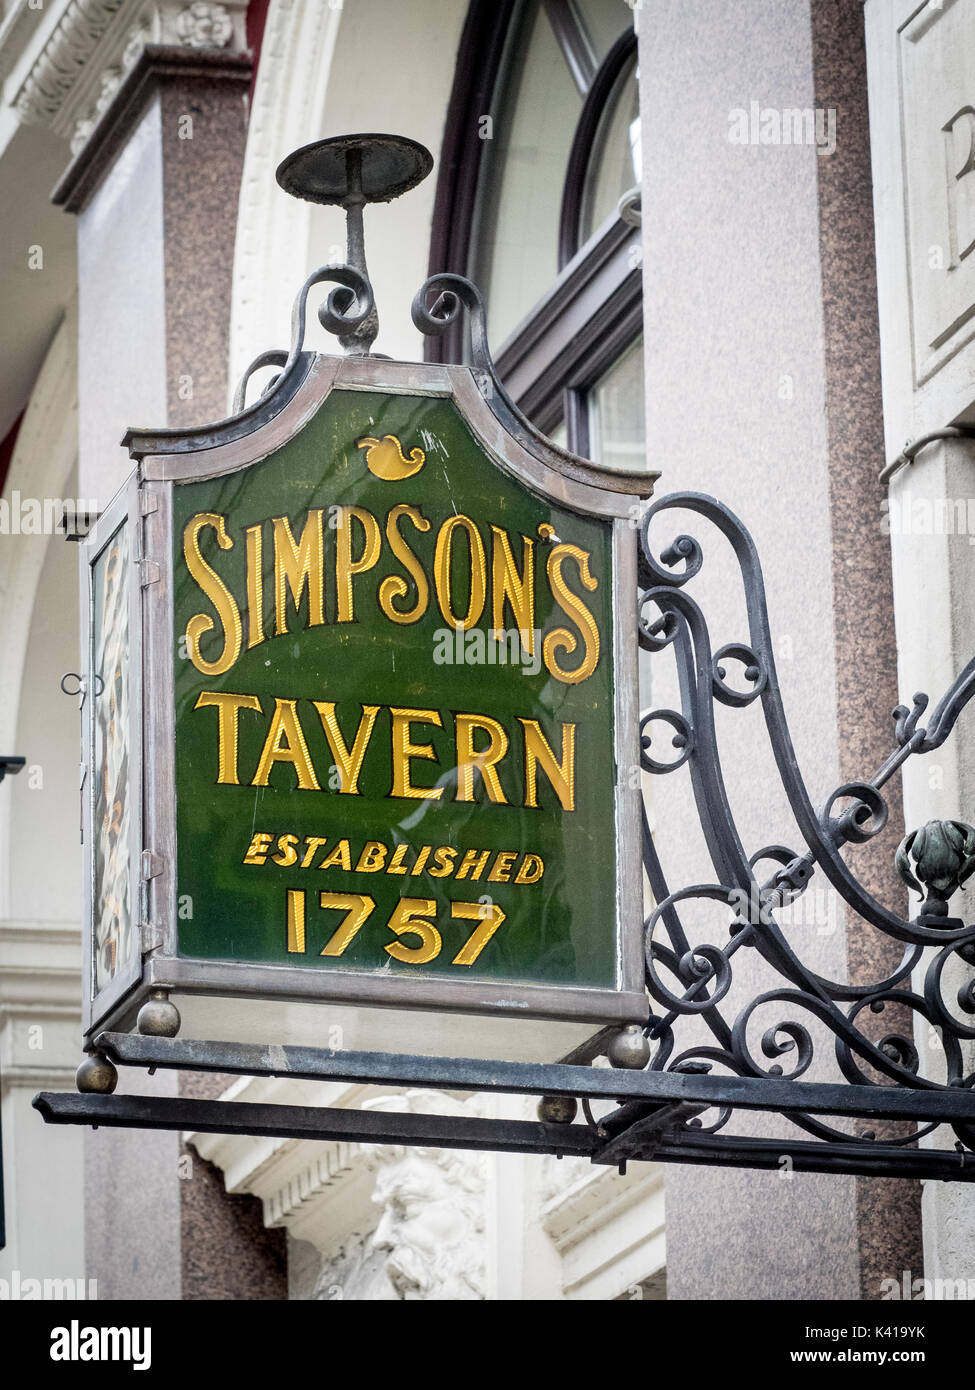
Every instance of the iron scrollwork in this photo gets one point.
(688, 981)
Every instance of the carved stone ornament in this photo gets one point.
(97, 43)
(432, 1224)
(202, 25)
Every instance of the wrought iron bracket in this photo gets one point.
(655, 1116)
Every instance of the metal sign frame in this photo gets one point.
(170, 458)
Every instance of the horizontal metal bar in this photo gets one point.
(312, 1122)
(502, 1136)
(858, 1160)
(548, 1078)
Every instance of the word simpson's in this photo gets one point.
(497, 580)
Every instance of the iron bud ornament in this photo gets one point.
(943, 852)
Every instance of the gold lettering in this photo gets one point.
(296, 920)
(228, 707)
(473, 863)
(259, 845)
(285, 743)
(339, 858)
(444, 859)
(348, 763)
(396, 865)
(357, 907)
(478, 571)
(531, 869)
(296, 565)
(286, 855)
(488, 917)
(394, 586)
(507, 585)
(469, 760)
(404, 750)
(345, 565)
(538, 753)
(255, 585)
(561, 639)
(501, 868)
(218, 594)
(314, 843)
(372, 858)
(421, 859)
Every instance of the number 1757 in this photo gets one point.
(410, 917)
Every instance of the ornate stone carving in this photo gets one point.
(202, 25)
(63, 58)
(97, 43)
(432, 1223)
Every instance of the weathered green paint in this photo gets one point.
(558, 930)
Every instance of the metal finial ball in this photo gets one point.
(96, 1076)
(937, 860)
(158, 1018)
(557, 1110)
(629, 1048)
(324, 172)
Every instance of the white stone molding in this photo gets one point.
(608, 1228)
(287, 111)
(42, 463)
(921, 83)
(314, 81)
(72, 77)
(61, 62)
(40, 1027)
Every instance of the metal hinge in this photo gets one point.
(151, 572)
(152, 937)
(152, 864)
(148, 502)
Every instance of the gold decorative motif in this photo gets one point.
(385, 458)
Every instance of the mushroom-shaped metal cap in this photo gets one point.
(325, 171)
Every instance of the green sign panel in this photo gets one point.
(395, 744)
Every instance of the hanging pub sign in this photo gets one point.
(360, 695)
(363, 721)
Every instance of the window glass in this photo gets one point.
(605, 20)
(615, 164)
(616, 416)
(560, 435)
(534, 122)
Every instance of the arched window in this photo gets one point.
(542, 142)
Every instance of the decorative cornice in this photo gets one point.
(97, 43)
(115, 123)
(59, 66)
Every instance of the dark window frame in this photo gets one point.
(593, 311)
